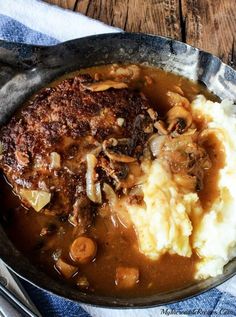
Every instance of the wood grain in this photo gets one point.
(66, 4)
(211, 26)
(207, 24)
(153, 16)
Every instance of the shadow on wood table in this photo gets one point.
(206, 24)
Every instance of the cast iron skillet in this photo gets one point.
(24, 69)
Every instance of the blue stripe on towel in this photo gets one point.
(14, 31)
(202, 305)
(53, 306)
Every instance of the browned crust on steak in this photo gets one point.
(70, 120)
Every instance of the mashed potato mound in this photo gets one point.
(215, 236)
(163, 222)
(163, 225)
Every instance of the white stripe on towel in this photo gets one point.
(229, 286)
(58, 23)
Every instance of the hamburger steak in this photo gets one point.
(50, 147)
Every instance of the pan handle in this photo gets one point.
(19, 55)
(16, 58)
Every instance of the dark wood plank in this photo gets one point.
(66, 4)
(207, 24)
(152, 16)
(211, 26)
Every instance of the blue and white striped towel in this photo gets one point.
(34, 22)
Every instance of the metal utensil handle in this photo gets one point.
(7, 309)
(11, 298)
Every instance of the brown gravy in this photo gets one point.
(117, 246)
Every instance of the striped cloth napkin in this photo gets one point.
(35, 22)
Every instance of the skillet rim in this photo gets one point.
(106, 301)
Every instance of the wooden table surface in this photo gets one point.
(206, 24)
